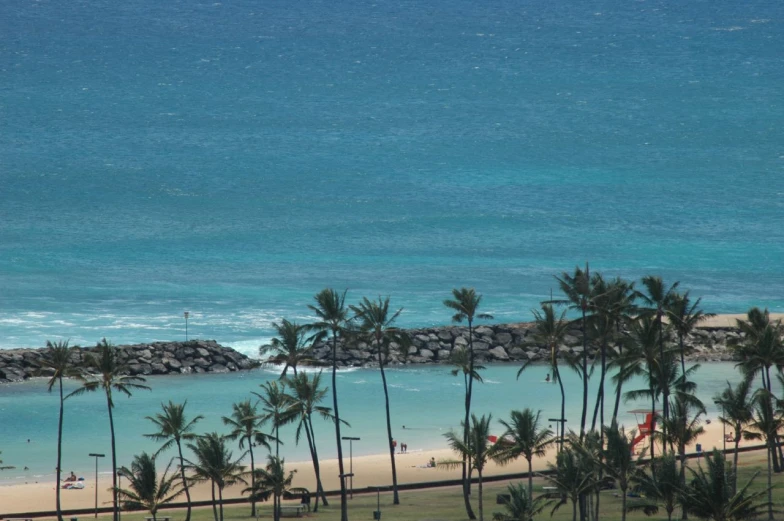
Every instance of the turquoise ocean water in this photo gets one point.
(427, 400)
(234, 158)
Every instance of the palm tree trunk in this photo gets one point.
(563, 406)
(220, 501)
(653, 421)
(664, 386)
(585, 377)
(735, 462)
(343, 498)
(530, 481)
(775, 445)
(481, 502)
(60, 451)
(316, 466)
(252, 478)
(469, 390)
(574, 509)
(770, 487)
(184, 481)
(682, 457)
(114, 460)
(683, 359)
(395, 496)
(214, 504)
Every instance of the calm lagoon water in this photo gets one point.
(427, 400)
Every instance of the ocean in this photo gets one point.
(231, 159)
(426, 402)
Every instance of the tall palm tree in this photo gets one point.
(767, 423)
(110, 375)
(523, 437)
(684, 316)
(570, 476)
(291, 347)
(332, 318)
(579, 291)
(659, 298)
(737, 405)
(660, 486)
(306, 395)
(144, 486)
(618, 460)
(761, 349)
(376, 321)
(711, 496)
(478, 448)
(59, 362)
(518, 506)
(272, 481)
(683, 428)
(275, 408)
(174, 427)
(465, 303)
(642, 359)
(551, 331)
(245, 423)
(214, 463)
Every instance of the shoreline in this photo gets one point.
(370, 471)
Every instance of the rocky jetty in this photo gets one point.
(195, 356)
(508, 343)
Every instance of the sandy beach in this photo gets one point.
(369, 471)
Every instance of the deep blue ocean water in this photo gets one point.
(233, 158)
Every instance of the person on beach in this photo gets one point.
(394, 445)
(72, 477)
(432, 463)
(548, 378)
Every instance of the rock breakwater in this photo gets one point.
(195, 356)
(508, 343)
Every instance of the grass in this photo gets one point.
(446, 504)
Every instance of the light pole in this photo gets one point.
(186, 315)
(351, 440)
(96, 456)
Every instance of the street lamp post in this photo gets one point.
(186, 315)
(351, 440)
(96, 456)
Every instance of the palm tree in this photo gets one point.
(144, 486)
(519, 506)
(377, 322)
(618, 460)
(579, 292)
(111, 375)
(291, 347)
(682, 429)
(659, 299)
(711, 496)
(478, 450)
(570, 476)
(173, 428)
(761, 349)
(523, 437)
(551, 331)
(736, 406)
(465, 304)
(306, 395)
(245, 423)
(332, 318)
(276, 408)
(684, 316)
(662, 485)
(59, 362)
(214, 463)
(643, 359)
(766, 423)
(272, 481)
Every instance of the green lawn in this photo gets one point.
(446, 504)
